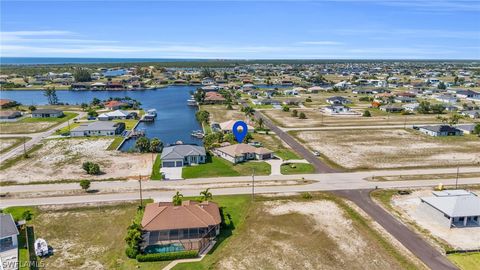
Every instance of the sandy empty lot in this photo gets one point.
(60, 159)
(304, 235)
(22, 127)
(315, 118)
(458, 238)
(7, 143)
(391, 148)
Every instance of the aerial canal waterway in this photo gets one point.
(175, 119)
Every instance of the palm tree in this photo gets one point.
(206, 195)
(260, 123)
(177, 198)
(249, 111)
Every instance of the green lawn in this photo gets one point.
(129, 123)
(218, 167)
(116, 142)
(466, 261)
(156, 175)
(234, 209)
(286, 154)
(67, 129)
(297, 168)
(17, 211)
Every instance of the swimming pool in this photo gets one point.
(173, 247)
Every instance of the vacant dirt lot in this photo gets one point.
(6, 143)
(315, 118)
(458, 238)
(297, 235)
(219, 113)
(391, 148)
(22, 127)
(60, 159)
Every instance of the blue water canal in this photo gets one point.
(175, 120)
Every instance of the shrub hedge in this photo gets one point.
(167, 256)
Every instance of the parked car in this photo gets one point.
(316, 153)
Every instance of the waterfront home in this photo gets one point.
(8, 242)
(114, 86)
(452, 208)
(7, 103)
(47, 113)
(9, 114)
(118, 114)
(241, 152)
(338, 100)
(100, 128)
(227, 126)
(286, 82)
(189, 226)
(115, 104)
(183, 155)
(471, 113)
(440, 130)
(213, 98)
(211, 88)
(98, 86)
(208, 81)
(80, 86)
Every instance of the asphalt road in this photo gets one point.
(36, 138)
(412, 241)
(320, 166)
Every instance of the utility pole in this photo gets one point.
(456, 180)
(253, 184)
(140, 183)
(24, 147)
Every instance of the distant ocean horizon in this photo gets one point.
(87, 60)
(98, 60)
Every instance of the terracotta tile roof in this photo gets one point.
(241, 149)
(213, 96)
(4, 101)
(191, 214)
(114, 103)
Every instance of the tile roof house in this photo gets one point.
(452, 208)
(190, 226)
(440, 130)
(213, 98)
(9, 114)
(241, 152)
(6, 103)
(115, 104)
(183, 154)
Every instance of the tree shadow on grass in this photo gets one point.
(226, 228)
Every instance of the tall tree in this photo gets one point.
(82, 75)
(142, 144)
(51, 95)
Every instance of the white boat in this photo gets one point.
(192, 102)
(152, 112)
(41, 247)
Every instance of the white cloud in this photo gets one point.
(322, 42)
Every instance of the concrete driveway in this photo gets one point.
(172, 173)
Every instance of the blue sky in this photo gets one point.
(347, 29)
